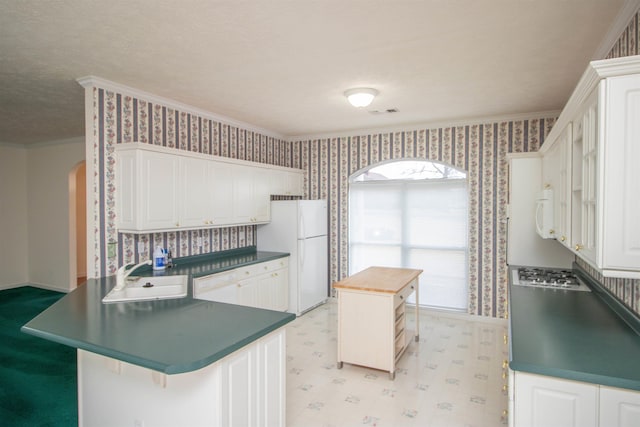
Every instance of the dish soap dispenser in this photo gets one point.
(158, 259)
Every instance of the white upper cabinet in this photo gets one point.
(162, 189)
(620, 180)
(591, 160)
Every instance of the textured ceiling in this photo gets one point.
(284, 65)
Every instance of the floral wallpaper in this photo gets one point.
(628, 42)
(479, 149)
(121, 118)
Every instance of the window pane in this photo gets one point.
(364, 256)
(443, 283)
(437, 215)
(376, 214)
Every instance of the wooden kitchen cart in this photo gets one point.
(371, 317)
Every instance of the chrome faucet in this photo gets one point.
(123, 273)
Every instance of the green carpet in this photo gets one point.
(37, 377)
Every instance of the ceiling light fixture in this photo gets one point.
(361, 96)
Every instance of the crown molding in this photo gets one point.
(628, 9)
(428, 125)
(94, 81)
(595, 72)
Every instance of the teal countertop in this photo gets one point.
(572, 335)
(171, 336)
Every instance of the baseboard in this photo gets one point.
(48, 287)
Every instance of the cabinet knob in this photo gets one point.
(505, 363)
(401, 297)
(177, 224)
(505, 387)
(579, 247)
(552, 231)
(563, 238)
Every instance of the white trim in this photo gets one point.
(596, 71)
(464, 316)
(427, 125)
(93, 81)
(620, 23)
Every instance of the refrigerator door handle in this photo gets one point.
(302, 242)
(301, 229)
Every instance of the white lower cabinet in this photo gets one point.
(619, 408)
(246, 388)
(551, 402)
(262, 285)
(542, 401)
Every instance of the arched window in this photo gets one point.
(409, 213)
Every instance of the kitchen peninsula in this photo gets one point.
(175, 361)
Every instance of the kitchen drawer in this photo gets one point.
(261, 268)
(401, 297)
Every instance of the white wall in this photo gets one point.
(48, 168)
(13, 216)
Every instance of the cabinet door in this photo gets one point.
(221, 186)
(621, 204)
(251, 194)
(158, 193)
(261, 194)
(248, 292)
(294, 183)
(239, 387)
(551, 402)
(274, 290)
(272, 370)
(243, 204)
(555, 174)
(619, 408)
(126, 190)
(195, 200)
(584, 178)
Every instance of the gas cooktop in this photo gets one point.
(554, 278)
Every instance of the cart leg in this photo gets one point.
(339, 365)
(417, 338)
(392, 375)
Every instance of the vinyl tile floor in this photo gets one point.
(452, 377)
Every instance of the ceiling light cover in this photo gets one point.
(361, 97)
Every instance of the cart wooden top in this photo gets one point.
(379, 279)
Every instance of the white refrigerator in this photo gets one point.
(300, 228)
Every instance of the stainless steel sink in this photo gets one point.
(149, 288)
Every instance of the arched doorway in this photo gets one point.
(78, 225)
(413, 213)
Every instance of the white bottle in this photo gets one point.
(158, 259)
